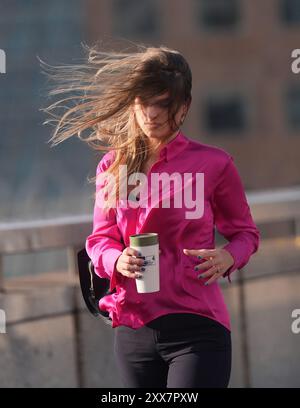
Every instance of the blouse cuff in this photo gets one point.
(234, 251)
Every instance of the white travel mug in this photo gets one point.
(147, 244)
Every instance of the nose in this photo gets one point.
(150, 112)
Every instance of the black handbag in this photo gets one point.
(93, 288)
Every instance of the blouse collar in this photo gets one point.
(174, 147)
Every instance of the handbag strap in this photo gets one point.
(92, 291)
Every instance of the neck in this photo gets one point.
(156, 146)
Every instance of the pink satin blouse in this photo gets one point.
(224, 206)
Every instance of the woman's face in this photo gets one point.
(152, 117)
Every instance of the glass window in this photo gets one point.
(290, 11)
(135, 18)
(224, 113)
(292, 107)
(218, 14)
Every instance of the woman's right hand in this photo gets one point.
(130, 263)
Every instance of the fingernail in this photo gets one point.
(142, 269)
(199, 257)
(138, 276)
(200, 276)
(206, 283)
(196, 268)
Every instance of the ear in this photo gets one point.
(188, 104)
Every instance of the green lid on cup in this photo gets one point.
(150, 238)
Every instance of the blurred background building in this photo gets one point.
(246, 99)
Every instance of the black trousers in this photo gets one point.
(174, 351)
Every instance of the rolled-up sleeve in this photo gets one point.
(104, 245)
(233, 218)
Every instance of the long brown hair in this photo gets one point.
(102, 92)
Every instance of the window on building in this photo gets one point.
(292, 107)
(135, 18)
(290, 11)
(218, 14)
(224, 113)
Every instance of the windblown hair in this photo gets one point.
(102, 92)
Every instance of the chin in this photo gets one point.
(154, 133)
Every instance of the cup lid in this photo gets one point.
(148, 238)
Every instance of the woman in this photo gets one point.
(135, 103)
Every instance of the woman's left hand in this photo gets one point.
(217, 262)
